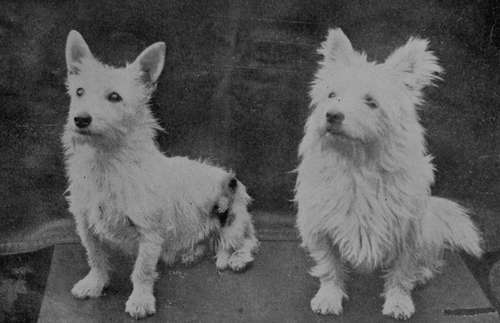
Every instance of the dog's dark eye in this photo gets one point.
(114, 97)
(80, 91)
(370, 101)
(331, 95)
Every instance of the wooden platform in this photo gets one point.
(276, 288)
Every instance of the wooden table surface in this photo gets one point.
(276, 288)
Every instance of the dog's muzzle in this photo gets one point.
(82, 121)
(334, 118)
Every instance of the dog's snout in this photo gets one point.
(83, 120)
(335, 117)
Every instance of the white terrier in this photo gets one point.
(123, 190)
(363, 186)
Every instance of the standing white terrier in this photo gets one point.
(123, 190)
(363, 186)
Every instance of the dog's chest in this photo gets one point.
(357, 210)
(109, 222)
(103, 206)
(368, 231)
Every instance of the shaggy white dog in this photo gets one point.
(363, 186)
(124, 191)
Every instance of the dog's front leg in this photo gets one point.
(399, 282)
(98, 277)
(329, 269)
(142, 301)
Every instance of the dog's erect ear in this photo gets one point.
(76, 50)
(416, 65)
(336, 47)
(150, 62)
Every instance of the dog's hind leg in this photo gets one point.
(142, 301)
(242, 256)
(192, 255)
(399, 282)
(98, 276)
(237, 241)
(169, 256)
(331, 273)
(430, 263)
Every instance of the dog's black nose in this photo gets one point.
(83, 120)
(335, 117)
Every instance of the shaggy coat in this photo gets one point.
(363, 186)
(123, 191)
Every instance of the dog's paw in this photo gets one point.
(239, 260)
(140, 305)
(328, 300)
(399, 305)
(222, 260)
(90, 286)
(425, 274)
(193, 255)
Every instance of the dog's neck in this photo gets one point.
(391, 157)
(102, 154)
(355, 153)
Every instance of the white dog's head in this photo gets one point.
(356, 101)
(109, 103)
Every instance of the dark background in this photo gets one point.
(234, 89)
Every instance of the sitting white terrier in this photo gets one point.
(363, 186)
(123, 190)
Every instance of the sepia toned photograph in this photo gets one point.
(249, 161)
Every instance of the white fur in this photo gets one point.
(363, 186)
(124, 191)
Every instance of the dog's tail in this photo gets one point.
(449, 224)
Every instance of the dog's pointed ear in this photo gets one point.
(337, 47)
(150, 62)
(76, 50)
(416, 65)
